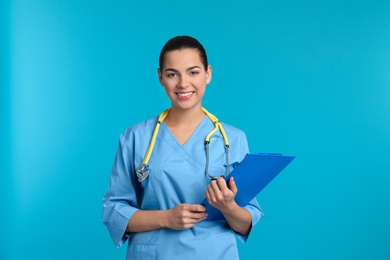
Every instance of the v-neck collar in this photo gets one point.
(190, 140)
(196, 139)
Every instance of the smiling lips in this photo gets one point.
(185, 95)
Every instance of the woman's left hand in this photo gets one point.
(220, 196)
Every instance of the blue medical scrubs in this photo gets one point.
(177, 175)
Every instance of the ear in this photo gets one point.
(159, 73)
(208, 74)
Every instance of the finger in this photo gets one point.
(190, 218)
(222, 184)
(195, 207)
(214, 189)
(224, 193)
(198, 208)
(217, 193)
(197, 215)
(232, 185)
(215, 184)
(207, 195)
(210, 196)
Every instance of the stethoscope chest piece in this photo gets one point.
(142, 173)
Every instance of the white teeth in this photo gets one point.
(184, 94)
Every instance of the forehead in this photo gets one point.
(182, 58)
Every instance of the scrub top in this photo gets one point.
(176, 175)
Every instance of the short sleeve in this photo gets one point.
(120, 202)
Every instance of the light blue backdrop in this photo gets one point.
(308, 78)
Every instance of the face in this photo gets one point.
(184, 78)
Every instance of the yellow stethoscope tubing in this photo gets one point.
(217, 125)
(161, 118)
(143, 171)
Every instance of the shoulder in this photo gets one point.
(237, 140)
(140, 129)
(232, 130)
(235, 135)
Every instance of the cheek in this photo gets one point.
(167, 84)
(169, 91)
(204, 82)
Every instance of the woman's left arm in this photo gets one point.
(220, 196)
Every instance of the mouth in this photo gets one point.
(185, 95)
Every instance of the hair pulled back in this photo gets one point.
(183, 42)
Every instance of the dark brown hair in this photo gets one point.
(183, 42)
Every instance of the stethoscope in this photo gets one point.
(143, 171)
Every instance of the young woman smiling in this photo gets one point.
(159, 213)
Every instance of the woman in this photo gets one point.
(159, 214)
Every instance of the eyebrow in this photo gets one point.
(188, 69)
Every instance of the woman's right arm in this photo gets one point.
(121, 214)
(183, 216)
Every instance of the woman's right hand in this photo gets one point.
(184, 216)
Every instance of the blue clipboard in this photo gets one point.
(251, 175)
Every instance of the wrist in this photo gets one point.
(162, 216)
(230, 207)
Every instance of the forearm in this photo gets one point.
(182, 216)
(146, 220)
(238, 218)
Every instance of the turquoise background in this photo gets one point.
(307, 78)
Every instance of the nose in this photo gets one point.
(183, 82)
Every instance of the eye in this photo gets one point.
(194, 72)
(171, 75)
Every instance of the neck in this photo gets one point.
(184, 117)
